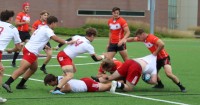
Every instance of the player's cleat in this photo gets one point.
(158, 86)
(183, 89)
(113, 86)
(21, 87)
(57, 92)
(7, 87)
(44, 70)
(13, 64)
(2, 100)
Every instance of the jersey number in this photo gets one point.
(78, 42)
(1, 30)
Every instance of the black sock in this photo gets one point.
(43, 66)
(159, 83)
(22, 82)
(15, 57)
(9, 81)
(122, 86)
(57, 88)
(180, 85)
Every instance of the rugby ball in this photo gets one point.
(146, 77)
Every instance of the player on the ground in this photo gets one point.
(22, 22)
(38, 23)
(75, 85)
(119, 31)
(7, 33)
(131, 70)
(65, 57)
(156, 46)
(31, 50)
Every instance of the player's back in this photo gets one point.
(82, 45)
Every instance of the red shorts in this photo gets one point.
(131, 70)
(28, 56)
(64, 59)
(91, 84)
(0, 55)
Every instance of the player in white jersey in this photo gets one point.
(31, 50)
(65, 57)
(7, 33)
(75, 85)
(131, 70)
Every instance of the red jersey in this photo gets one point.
(22, 17)
(116, 29)
(150, 43)
(37, 24)
(117, 65)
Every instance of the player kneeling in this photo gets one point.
(75, 85)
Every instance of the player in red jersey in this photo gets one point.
(156, 46)
(22, 22)
(38, 23)
(119, 31)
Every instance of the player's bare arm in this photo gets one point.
(127, 34)
(160, 45)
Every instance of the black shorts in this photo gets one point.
(48, 44)
(116, 48)
(24, 36)
(162, 62)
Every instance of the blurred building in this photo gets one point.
(174, 14)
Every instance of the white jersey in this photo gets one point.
(7, 33)
(39, 39)
(76, 85)
(151, 64)
(81, 46)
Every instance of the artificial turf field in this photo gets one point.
(185, 58)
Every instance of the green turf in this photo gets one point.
(184, 53)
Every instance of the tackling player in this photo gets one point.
(7, 33)
(131, 70)
(156, 47)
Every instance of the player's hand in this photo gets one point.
(121, 42)
(55, 48)
(57, 92)
(9, 51)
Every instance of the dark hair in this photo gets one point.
(43, 12)
(116, 9)
(48, 78)
(139, 31)
(51, 19)
(6, 14)
(107, 64)
(91, 32)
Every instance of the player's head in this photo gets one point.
(107, 65)
(7, 15)
(91, 33)
(52, 21)
(140, 33)
(116, 12)
(43, 15)
(50, 80)
(26, 7)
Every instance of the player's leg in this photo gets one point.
(48, 58)
(1, 71)
(27, 75)
(104, 87)
(124, 54)
(168, 72)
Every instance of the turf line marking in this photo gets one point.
(147, 98)
(28, 79)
